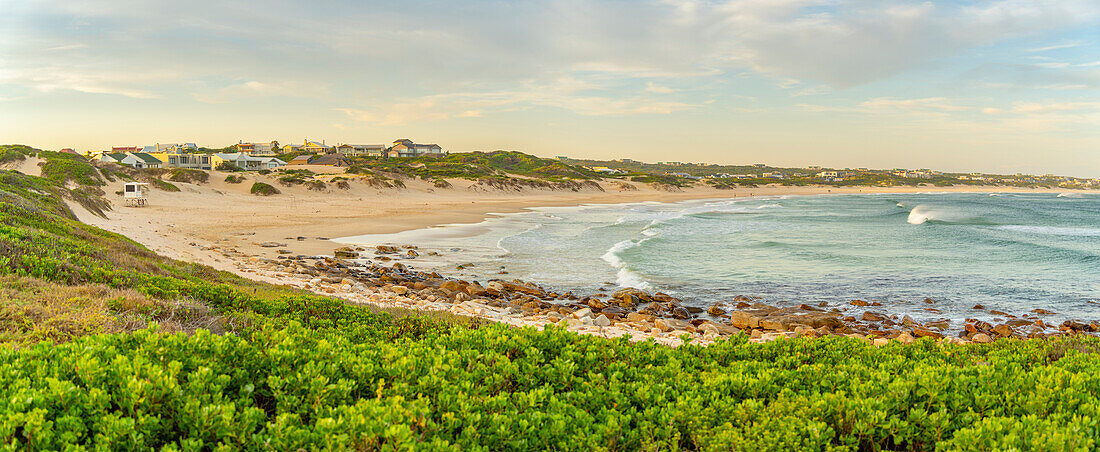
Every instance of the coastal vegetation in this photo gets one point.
(473, 166)
(109, 345)
(262, 189)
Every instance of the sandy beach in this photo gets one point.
(225, 214)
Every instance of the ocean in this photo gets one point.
(1008, 252)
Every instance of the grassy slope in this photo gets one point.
(474, 165)
(300, 370)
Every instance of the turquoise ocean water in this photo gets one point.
(1008, 252)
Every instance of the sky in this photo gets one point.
(1000, 86)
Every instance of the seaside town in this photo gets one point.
(255, 156)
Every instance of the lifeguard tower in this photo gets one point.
(135, 194)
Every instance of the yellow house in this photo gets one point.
(195, 161)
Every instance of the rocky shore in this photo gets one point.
(369, 276)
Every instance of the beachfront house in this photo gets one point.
(191, 161)
(301, 159)
(356, 150)
(257, 148)
(315, 147)
(406, 148)
(134, 159)
(245, 161)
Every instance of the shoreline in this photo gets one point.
(252, 242)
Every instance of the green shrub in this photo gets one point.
(160, 184)
(189, 176)
(262, 189)
(234, 179)
(228, 167)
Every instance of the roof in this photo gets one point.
(118, 156)
(314, 144)
(146, 157)
(331, 159)
(302, 158)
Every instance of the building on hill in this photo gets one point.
(406, 148)
(257, 148)
(303, 159)
(356, 150)
(123, 149)
(245, 161)
(331, 160)
(315, 147)
(68, 151)
(191, 161)
(134, 159)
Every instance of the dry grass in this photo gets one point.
(33, 310)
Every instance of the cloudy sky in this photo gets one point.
(1005, 86)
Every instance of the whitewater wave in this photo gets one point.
(769, 206)
(1051, 230)
(924, 213)
(625, 276)
(1069, 195)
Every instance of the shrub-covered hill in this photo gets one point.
(109, 346)
(474, 165)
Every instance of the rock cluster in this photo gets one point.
(626, 311)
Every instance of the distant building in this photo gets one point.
(301, 159)
(192, 161)
(356, 150)
(331, 160)
(68, 151)
(257, 148)
(315, 147)
(134, 159)
(123, 149)
(245, 161)
(406, 148)
(759, 165)
(605, 170)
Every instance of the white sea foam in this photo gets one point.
(1050, 230)
(1069, 195)
(769, 206)
(625, 276)
(920, 214)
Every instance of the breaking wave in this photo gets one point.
(625, 276)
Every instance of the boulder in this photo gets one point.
(1042, 312)
(873, 317)
(922, 332)
(905, 338)
(716, 310)
(744, 320)
(601, 321)
(582, 313)
(981, 338)
(1004, 330)
(344, 253)
(859, 303)
(774, 325)
(639, 317)
(667, 325)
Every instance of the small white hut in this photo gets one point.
(135, 194)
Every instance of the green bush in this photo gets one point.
(162, 185)
(228, 167)
(262, 189)
(189, 176)
(234, 179)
